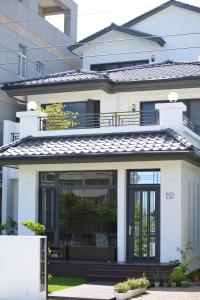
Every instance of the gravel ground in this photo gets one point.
(192, 293)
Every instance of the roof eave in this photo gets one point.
(101, 157)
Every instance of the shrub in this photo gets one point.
(132, 283)
(37, 228)
(143, 282)
(178, 274)
(121, 287)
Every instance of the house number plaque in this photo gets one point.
(169, 195)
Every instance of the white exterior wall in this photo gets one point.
(170, 210)
(20, 268)
(190, 208)
(125, 47)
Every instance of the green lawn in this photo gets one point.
(62, 282)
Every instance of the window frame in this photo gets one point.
(22, 61)
(38, 66)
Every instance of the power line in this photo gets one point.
(105, 41)
(106, 54)
(93, 12)
(89, 13)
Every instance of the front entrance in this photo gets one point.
(143, 216)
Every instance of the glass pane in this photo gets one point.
(144, 223)
(152, 223)
(88, 217)
(137, 224)
(70, 178)
(144, 177)
(48, 177)
(149, 115)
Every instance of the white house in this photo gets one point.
(168, 32)
(120, 183)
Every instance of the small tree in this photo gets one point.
(58, 118)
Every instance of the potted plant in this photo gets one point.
(165, 278)
(143, 284)
(121, 291)
(178, 275)
(137, 286)
(157, 278)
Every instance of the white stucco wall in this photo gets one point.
(190, 208)
(20, 268)
(170, 210)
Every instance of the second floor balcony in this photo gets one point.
(98, 120)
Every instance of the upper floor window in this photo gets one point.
(22, 61)
(117, 65)
(39, 68)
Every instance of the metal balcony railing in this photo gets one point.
(191, 125)
(114, 119)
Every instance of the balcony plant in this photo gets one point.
(157, 278)
(58, 118)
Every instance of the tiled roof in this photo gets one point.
(141, 73)
(96, 145)
(118, 28)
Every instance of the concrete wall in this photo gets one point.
(170, 182)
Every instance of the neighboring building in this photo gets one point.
(31, 47)
(121, 184)
(170, 31)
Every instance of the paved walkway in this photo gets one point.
(85, 291)
(192, 293)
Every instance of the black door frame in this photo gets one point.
(131, 188)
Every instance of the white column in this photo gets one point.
(28, 195)
(121, 215)
(171, 115)
(29, 122)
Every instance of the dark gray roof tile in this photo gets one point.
(157, 141)
(148, 72)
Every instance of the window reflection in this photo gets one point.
(79, 210)
(144, 177)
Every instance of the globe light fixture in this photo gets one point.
(32, 105)
(173, 97)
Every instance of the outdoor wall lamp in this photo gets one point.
(32, 105)
(133, 107)
(173, 97)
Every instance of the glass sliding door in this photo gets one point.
(79, 210)
(143, 216)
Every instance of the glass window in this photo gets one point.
(79, 209)
(39, 68)
(22, 61)
(149, 115)
(144, 177)
(117, 65)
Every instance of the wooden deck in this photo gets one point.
(105, 271)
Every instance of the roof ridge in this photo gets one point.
(180, 139)
(160, 8)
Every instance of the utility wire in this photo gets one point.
(94, 12)
(107, 54)
(105, 41)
